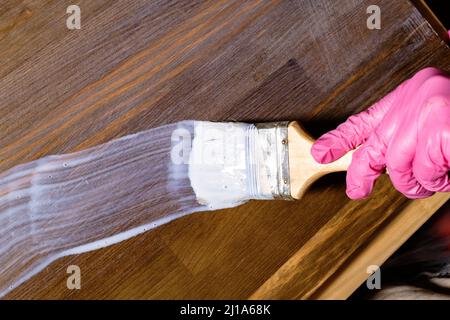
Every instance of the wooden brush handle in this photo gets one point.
(303, 169)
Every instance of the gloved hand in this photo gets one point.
(407, 132)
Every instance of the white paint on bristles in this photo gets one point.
(228, 164)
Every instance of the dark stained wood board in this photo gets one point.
(135, 65)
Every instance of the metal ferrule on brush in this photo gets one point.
(268, 161)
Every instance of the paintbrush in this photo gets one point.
(230, 163)
(138, 182)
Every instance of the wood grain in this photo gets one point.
(139, 64)
(384, 243)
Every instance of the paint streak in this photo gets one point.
(68, 204)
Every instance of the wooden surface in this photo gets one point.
(383, 244)
(139, 64)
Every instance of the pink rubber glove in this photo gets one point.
(407, 132)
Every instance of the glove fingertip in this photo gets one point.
(418, 196)
(357, 193)
(360, 178)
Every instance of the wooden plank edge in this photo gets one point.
(341, 285)
(432, 19)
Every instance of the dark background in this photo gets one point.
(442, 10)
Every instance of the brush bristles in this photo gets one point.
(230, 163)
